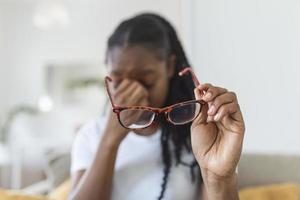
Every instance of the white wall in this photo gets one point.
(28, 50)
(253, 48)
(2, 69)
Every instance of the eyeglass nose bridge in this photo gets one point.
(164, 111)
(161, 110)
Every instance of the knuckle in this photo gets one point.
(116, 96)
(223, 89)
(211, 89)
(217, 102)
(139, 92)
(120, 98)
(223, 110)
(205, 85)
(233, 94)
(237, 105)
(135, 84)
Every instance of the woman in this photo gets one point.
(196, 160)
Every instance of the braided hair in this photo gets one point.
(155, 33)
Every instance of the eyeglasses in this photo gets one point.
(139, 117)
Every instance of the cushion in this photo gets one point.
(287, 191)
(61, 192)
(16, 195)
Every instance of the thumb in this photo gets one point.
(202, 117)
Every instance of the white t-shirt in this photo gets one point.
(139, 167)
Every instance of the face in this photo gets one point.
(139, 64)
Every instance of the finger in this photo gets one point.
(197, 94)
(231, 116)
(226, 110)
(210, 118)
(211, 91)
(143, 101)
(123, 85)
(225, 98)
(137, 94)
(122, 96)
(202, 117)
(117, 90)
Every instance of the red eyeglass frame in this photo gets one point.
(166, 110)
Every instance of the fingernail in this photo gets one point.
(216, 118)
(208, 95)
(211, 109)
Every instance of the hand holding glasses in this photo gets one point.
(139, 117)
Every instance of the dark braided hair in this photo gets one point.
(155, 33)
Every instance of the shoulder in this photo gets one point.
(91, 130)
(85, 143)
(85, 137)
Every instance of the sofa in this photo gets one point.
(261, 177)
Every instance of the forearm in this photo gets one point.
(219, 188)
(96, 183)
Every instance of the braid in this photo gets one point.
(166, 160)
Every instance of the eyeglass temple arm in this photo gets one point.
(194, 77)
(107, 80)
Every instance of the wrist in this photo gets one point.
(111, 140)
(218, 187)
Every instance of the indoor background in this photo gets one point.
(52, 67)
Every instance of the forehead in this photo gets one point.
(132, 59)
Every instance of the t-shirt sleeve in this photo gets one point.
(82, 154)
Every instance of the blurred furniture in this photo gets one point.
(5, 161)
(264, 169)
(17, 195)
(254, 169)
(261, 177)
(13, 153)
(286, 191)
(56, 169)
(12, 115)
